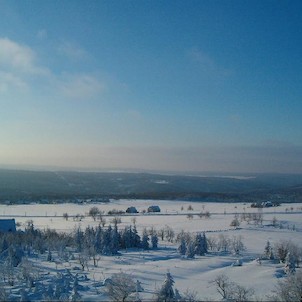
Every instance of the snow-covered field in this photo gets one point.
(151, 266)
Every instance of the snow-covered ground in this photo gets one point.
(151, 266)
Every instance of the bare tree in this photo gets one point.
(212, 243)
(84, 259)
(231, 291)
(169, 233)
(94, 212)
(223, 286)
(120, 286)
(223, 243)
(237, 244)
(235, 223)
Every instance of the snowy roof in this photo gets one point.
(7, 225)
(154, 209)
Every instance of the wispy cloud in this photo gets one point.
(10, 81)
(18, 66)
(17, 63)
(19, 70)
(16, 56)
(207, 64)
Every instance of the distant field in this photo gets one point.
(150, 266)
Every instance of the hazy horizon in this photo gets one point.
(198, 86)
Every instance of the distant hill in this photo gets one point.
(33, 185)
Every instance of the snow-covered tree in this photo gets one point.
(120, 287)
(166, 292)
(235, 222)
(289, 265)
(98, 240)
(182, 247)
(106, 241)
(212, 242)
(79, 239)
(190, 251)
(115, 241)
(200, 244)
(231, 291)
(237, 244)
(281, 250)
(268, 251)
(169, 233)
(223, 243)
(154, 240)
(75, 296)
(145, 240)
(290, 289)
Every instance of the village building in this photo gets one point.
(132, 210)
(153, 209)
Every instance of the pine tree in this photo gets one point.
(268, 251)
(182, 247)
(127, 238)
(106, 240)
(115, 239)
(79, 239)
(166, 293)
(200, 244)
(75, 296)
(205, 243)
(190, 251)
(154, 241)
(145, 240)
(98, 239)
(136, 238)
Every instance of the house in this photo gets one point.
(153, 209)
(267, 204)
(7, 225)
(132, 210)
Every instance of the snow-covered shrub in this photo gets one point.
(289, 290)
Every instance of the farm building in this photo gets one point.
(152, 209)
(7, 225)
(132, 210)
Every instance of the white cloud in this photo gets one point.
(19, 71)
(81, 86)
(16, 56)
(17, 66)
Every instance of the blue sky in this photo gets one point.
(187, 86)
